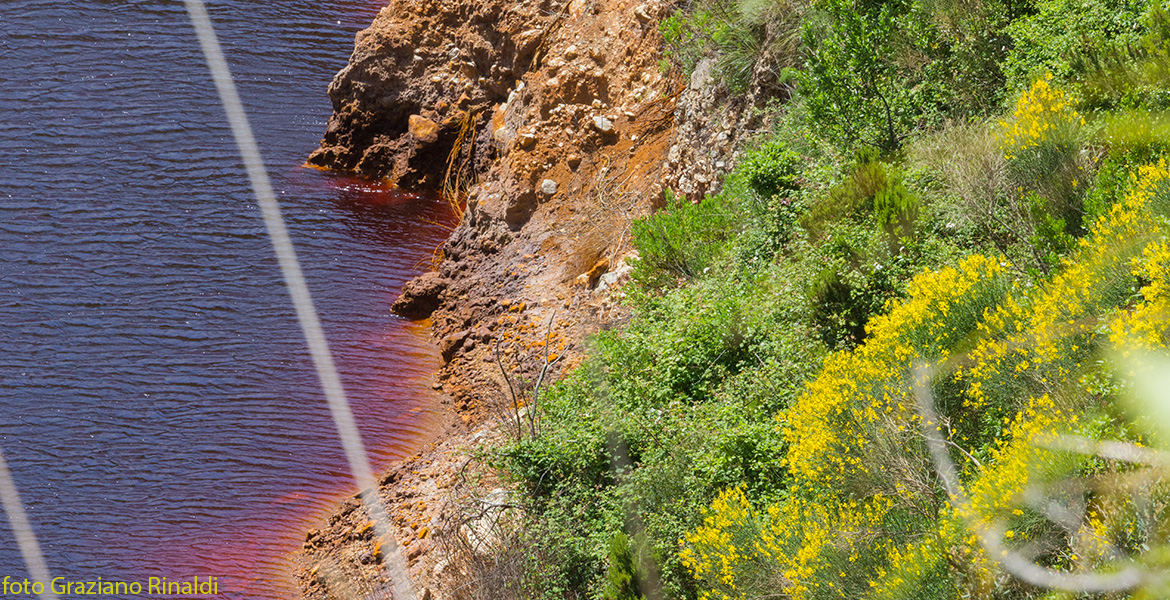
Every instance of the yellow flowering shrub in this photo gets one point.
(1147, 326)
(828, 427)
(921, 564)
(1017, 356)
(802, 545)
(1041, 115)
(1046, 337)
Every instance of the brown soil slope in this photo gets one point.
(557, 125)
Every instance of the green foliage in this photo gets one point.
(1047, 161)
(632, 574)
(624, 583)
(740, 47)
(1131, 76)
(1062, 32)
(860, 272)
(878, 71)
(896, 209)
(664, 413)
(1119, 167)
(1016, 365)
(740, 299)
(873, 188)
(767, 183)
(971, 47)
(687, 35)
(679, 241)
(851, 85)
(753, 43)
(771, 169)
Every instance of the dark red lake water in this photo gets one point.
(158, 407)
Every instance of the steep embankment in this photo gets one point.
(555, 123)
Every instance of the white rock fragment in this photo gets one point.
(603, 125)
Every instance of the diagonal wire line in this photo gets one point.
(294, 280)
(34, 561)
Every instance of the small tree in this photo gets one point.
(852, 82)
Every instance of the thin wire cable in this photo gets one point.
(26, 539)
(294, 280)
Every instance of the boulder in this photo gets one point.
(423, 129)
(420, 296)
(451, 344)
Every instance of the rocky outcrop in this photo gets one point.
(421, 296)
(420, 78)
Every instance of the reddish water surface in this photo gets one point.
(157, 405)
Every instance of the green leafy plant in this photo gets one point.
(896, 209)
(679, 241)
(1129, 75)
(855, 84)
(873, 188)
(631, 574)
(771, 169)
(751, 42)
(1061, 34)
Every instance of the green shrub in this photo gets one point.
(1129, 76)
(753, 42)
(858, 277)
(766, 183)
(740, 47)
(679, 241)
(873, 188)
(873, 73)
(771, 169)
(687, 36)
(664, 412)
(1060, 31)
(972, 47)
(632, 574)
(1050, 166)
(1119, 166)
(896, 209)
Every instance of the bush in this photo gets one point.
(873, 188)
(1123, 158)
(1020, 184)
(1049, 40)
(1017, 365)
(875, 72)
(770, 170)
(680, 241)
(687, 36)
(858, 275)
(1042, 143)
(632, 571)
(1129, 76)
(974, 191)
(972, 47)
(896, 209)
(766, 183)
(663, 414)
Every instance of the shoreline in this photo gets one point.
(560, 128)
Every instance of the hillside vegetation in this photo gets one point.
(915, 347)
